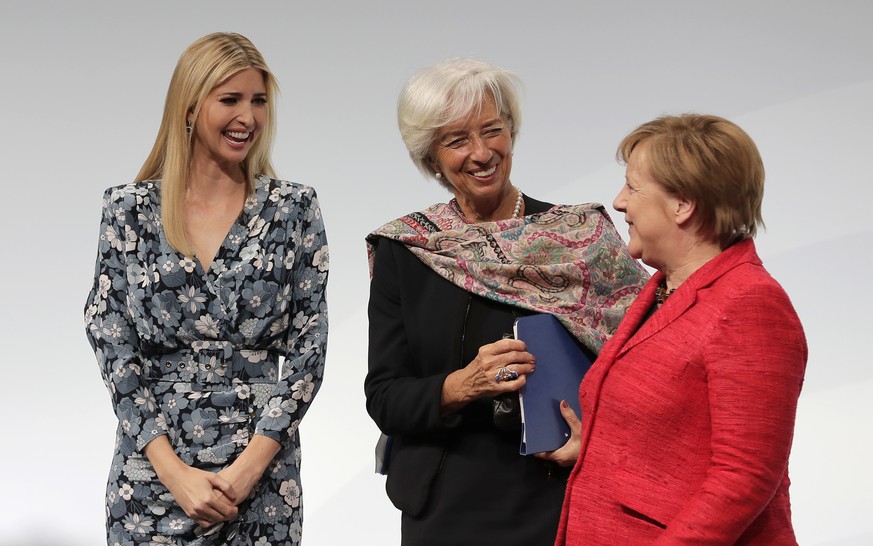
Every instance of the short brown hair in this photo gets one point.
(710, 161)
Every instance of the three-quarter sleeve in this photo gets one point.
(111, 330)
(305, 343)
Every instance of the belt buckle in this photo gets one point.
(212, 358)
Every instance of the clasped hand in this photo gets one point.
(205, 496)
(211, 497)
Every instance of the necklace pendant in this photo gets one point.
(661, 293)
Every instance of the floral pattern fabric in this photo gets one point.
(209, 357)
(568, 261)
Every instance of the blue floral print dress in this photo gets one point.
(209, 358)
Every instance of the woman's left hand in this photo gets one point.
(246, 471)
(567, 454)
(241, 480)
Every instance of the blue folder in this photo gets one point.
(560, 365)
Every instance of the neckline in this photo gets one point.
(516, 213)
(252, 207)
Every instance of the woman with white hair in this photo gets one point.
(447, 285)
(209, 271)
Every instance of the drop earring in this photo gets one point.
(188, 126)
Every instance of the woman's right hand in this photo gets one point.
(478, 379)
(567, 454)
(206, 497)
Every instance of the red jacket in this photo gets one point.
(688, 417)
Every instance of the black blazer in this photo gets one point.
(416, 329)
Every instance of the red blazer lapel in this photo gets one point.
(684, 297)
(678, 303)
(592, 383)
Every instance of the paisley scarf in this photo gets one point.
(568, 261)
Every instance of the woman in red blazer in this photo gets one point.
(688, 412)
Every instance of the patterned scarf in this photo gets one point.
(568, 261)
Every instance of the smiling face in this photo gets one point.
(649, 210)
(474, 155)
(230, 119)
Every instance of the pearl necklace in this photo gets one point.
(516, 210)
(518, 202)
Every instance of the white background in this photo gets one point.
(82, 90)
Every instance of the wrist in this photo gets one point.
(163, 459)
(452, 397)
(257, 456)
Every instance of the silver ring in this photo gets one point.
(505, 374)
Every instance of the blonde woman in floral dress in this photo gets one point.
(208, 316)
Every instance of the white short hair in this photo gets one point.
(444, 93)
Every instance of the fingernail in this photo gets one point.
(564, 404)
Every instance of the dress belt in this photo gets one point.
(211, 356)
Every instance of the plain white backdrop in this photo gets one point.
(82, 90)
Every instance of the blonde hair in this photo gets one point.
(712, 162)
(203, 65)
(444, 93)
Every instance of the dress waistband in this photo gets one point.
(213, 358)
